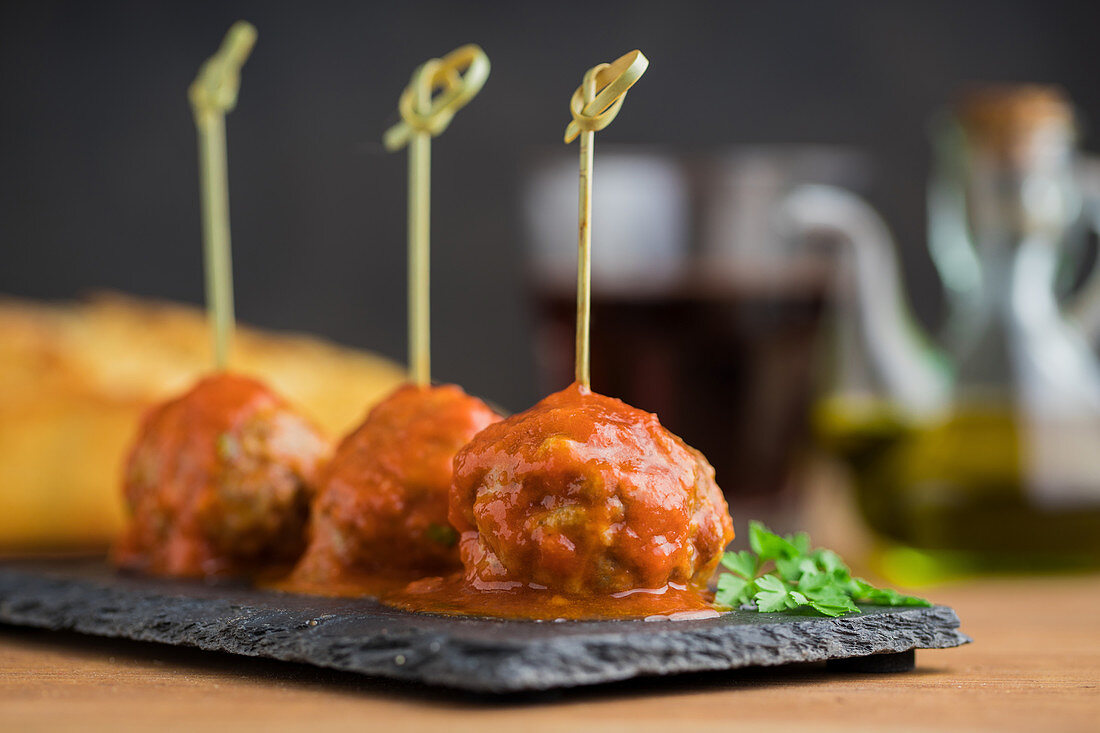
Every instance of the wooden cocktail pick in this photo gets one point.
(439, 88)
(212, 94)
(594, 105)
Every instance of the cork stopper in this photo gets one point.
(1009, 120)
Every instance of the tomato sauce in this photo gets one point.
(453, 595)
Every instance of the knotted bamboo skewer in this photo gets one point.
(593, 106)
(212, 94)
(457, 77)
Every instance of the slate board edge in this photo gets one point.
(95, 608)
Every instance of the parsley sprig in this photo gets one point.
(783, 573)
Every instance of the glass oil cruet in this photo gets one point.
(978, 450)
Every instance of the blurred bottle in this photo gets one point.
(699, 313)
(982, 453)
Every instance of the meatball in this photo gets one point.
(583, 494)
(219, 482)
(382, 504)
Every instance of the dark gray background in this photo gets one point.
(97, 149)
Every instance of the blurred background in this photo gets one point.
(805, 228)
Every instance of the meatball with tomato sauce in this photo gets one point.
(587, 496)
(219, 482)
(382, 505)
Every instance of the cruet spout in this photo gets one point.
(880, 351)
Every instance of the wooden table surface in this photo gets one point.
(1035, 665)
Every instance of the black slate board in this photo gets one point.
(482, 655)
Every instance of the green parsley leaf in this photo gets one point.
(785, 573)
(768, 545)
(772, 595)
(885, 596)
(793, 569)
(830, 600)
(734, 591)
(830, 562)
(834, 609)
(816, 581)
(743, 563)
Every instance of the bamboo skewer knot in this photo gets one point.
(214, 91)
(457, 77)
(600, 96)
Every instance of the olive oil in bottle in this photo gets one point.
(955, 496)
